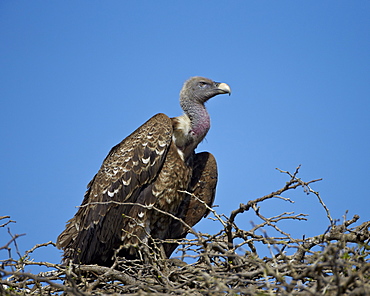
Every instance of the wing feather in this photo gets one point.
(128, 167)
(203, 186)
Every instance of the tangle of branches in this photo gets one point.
(225, 263)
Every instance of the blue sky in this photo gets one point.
(78, 77)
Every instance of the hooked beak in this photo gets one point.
(223, 88)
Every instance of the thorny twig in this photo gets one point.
(334, 263)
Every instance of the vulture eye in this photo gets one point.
(203, 84)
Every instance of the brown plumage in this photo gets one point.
(145, 172)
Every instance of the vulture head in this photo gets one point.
(200, 90)
(192, 127)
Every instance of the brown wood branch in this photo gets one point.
(338, 265)
(359, 235)
(6, 223)
(39, 279)
(293, 183)
(14, 237)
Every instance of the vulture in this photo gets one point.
(146, 185)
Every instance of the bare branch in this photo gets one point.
(336, 262)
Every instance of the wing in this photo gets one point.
(96, 229)
(203, 186)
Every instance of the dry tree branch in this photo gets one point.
(218, 217)
(308, 190)
(6, 223)
(190, 229)
(334, 263)
(14, 237)
(293, 183)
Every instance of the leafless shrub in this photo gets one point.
(226, 263)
